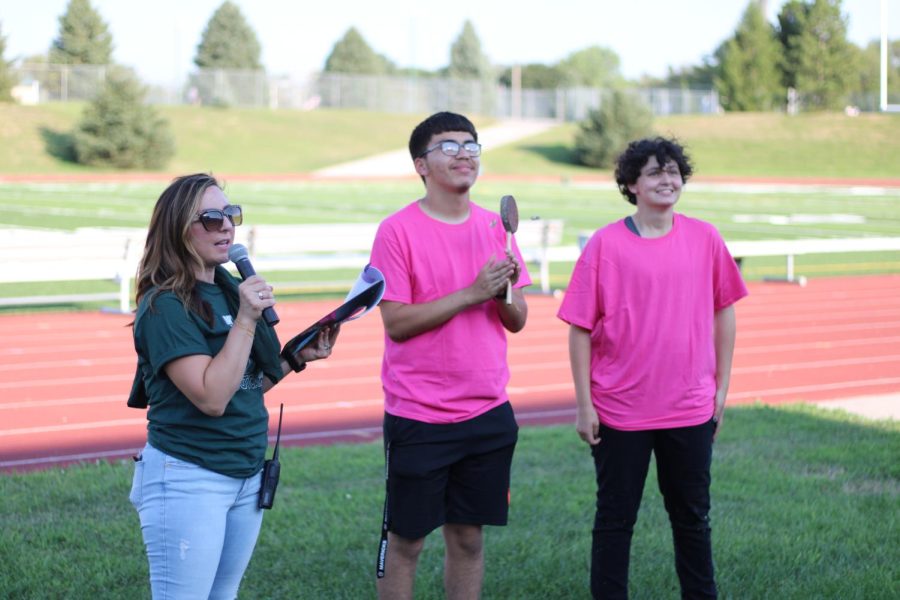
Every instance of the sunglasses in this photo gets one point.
(213, 219)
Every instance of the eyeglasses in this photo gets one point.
(213, 219)
(451, 148)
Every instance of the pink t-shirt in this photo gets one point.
(649, 305)
(458, 370)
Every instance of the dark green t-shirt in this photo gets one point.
(233, 444)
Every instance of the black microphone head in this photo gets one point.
(237, 252)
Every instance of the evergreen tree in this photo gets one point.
(696, 76)
(595, 67)
(84, 39)
(791, 21)
(748, 75)
(118, 130)
(352, 54)
(820, 63)
(467, 61)
(870, 73)
(6, 77)
(228, 42)
(621, 118)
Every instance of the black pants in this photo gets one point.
(683, 458)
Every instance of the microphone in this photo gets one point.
(241, 259)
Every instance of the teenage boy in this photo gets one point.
(651, 340)
(449, 430)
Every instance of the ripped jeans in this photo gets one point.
(199, 527)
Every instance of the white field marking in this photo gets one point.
(784, 331)
(73, 427)
(820, 345)
(18, 384)
(517, 369)
(801, 219)
(818, 364)
(61, 364)
(817, 316)
(115, 398)
(299, 408)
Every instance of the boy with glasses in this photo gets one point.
(449, 430)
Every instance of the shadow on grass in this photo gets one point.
(59, 144)
(555, 153)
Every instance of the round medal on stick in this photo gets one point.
(509, 214)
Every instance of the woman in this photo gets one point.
(204, 361)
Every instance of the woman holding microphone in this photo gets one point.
(205, 359)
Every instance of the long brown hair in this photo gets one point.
(170, 261)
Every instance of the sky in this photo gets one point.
(158, 38)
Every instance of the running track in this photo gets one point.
(64, 377)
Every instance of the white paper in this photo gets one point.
(367, 278)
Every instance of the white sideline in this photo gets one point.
(98, 254)
(94, 254)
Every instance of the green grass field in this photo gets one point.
(738, 213)
(804, 506)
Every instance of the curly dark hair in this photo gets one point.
(635, 157)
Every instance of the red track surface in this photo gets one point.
(64, 377)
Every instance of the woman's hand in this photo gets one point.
(255, 295)
(322, 346)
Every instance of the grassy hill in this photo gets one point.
(35, 140)
(816, 145)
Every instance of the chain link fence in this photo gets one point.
(248, 88)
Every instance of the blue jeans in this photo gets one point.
(199, 527)
(683, 460)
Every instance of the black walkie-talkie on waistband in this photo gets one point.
(271, 471)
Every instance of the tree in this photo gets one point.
(7, 81)
(595, 67)
(695, 76)
(467, 61)
(84, 39)
(819, 61)
(621, 118)
(535, 76)
(228, 42)
(870, 73)
(118, 130)
(352, 54)
(748, 75)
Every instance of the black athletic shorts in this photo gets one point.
(453, 473)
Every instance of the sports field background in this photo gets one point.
(740, 211)
(805, 500)
(758, 176)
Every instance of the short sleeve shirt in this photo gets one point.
(458, 370)
(233, 444)
(649, 304)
